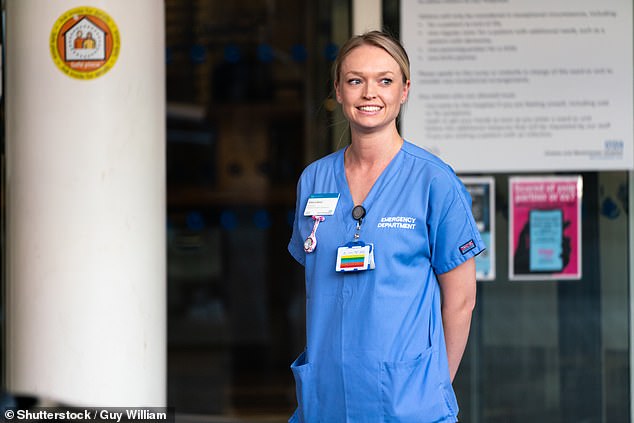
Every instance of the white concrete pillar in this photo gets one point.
(367, 15)
(85, 146)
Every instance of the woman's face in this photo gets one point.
(370, 88)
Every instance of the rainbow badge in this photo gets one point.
(354, 257)
(352, 261)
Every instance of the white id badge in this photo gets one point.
(322, 204)
(355, 257)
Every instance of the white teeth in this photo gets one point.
(370, 108)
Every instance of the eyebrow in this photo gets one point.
(382, 73)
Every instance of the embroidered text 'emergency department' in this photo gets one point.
(397, 222)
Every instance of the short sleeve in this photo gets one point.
(453, 233)
(296, 244)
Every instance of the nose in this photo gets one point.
(369, 91)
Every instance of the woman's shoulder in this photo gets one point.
(428, 159)
(441, 178)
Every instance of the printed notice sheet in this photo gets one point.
(521, 85)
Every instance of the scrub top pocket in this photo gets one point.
(412, 391)
(307, 406)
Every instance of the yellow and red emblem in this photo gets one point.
(85, 43)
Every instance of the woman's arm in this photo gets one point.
(458, 289)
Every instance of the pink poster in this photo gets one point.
(545, 227)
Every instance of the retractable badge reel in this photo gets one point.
(356, 255)
(358, 213)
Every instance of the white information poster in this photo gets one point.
(521, 85)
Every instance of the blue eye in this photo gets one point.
(354, 81)
(386, 81)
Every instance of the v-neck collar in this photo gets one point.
(345, 201)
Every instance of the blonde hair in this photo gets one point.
(377, 39)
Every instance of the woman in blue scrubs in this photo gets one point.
(385, 232)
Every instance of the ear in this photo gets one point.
(405, 91)
(338, 93)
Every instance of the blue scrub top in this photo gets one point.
(375, 344)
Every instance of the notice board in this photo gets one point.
(521, 85)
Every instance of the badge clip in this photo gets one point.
(358, 213)
(311, 241)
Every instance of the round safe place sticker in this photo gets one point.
(85, 43)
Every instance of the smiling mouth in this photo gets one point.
(369, 108)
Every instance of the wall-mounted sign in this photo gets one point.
(536, 85)
(85, 43)
(545, 227)
(482, 190)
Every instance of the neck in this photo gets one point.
(369, 149)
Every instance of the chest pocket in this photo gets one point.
(402, 238)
